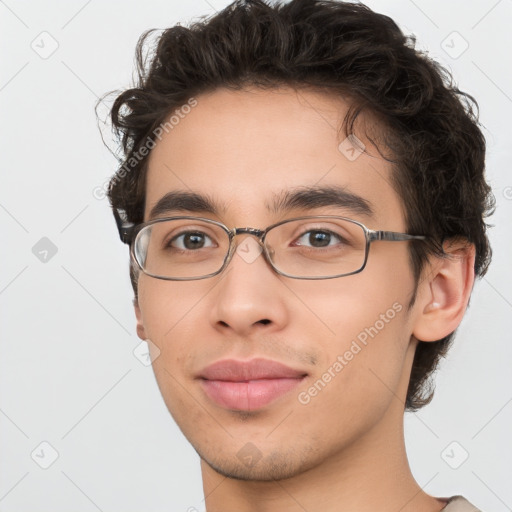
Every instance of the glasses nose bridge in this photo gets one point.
(258, 233)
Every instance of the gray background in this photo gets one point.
(68, 374)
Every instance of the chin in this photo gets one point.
(250, 464)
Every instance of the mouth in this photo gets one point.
(248, 385)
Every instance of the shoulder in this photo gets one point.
(459, 504)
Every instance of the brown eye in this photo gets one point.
(191, 240)
(319, 238)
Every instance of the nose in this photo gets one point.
(250, 295)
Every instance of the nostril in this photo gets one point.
(265, 321)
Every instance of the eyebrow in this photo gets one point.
(310, 197)
(306, 197)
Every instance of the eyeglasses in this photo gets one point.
(313, 247)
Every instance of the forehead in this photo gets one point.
(245, 150)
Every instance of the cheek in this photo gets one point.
(168, 314)
(365, 334)
(367, 329)
(167, 305)
(365, 306)
(361, 371)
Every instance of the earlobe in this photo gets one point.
(141, 332)
(445, 293)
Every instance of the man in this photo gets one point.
(304, 198)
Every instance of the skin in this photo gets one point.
(344, 450)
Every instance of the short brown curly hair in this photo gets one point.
(430, 127)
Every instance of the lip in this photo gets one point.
(248, 385)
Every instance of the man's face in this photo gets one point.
(350, 336)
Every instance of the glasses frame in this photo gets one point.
(130, 232)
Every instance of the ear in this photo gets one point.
(141, 332)
(445, 291)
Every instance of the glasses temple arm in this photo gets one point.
(392, 236)
(124, 227)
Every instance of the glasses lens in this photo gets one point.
(181, 248)
(317, 247)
